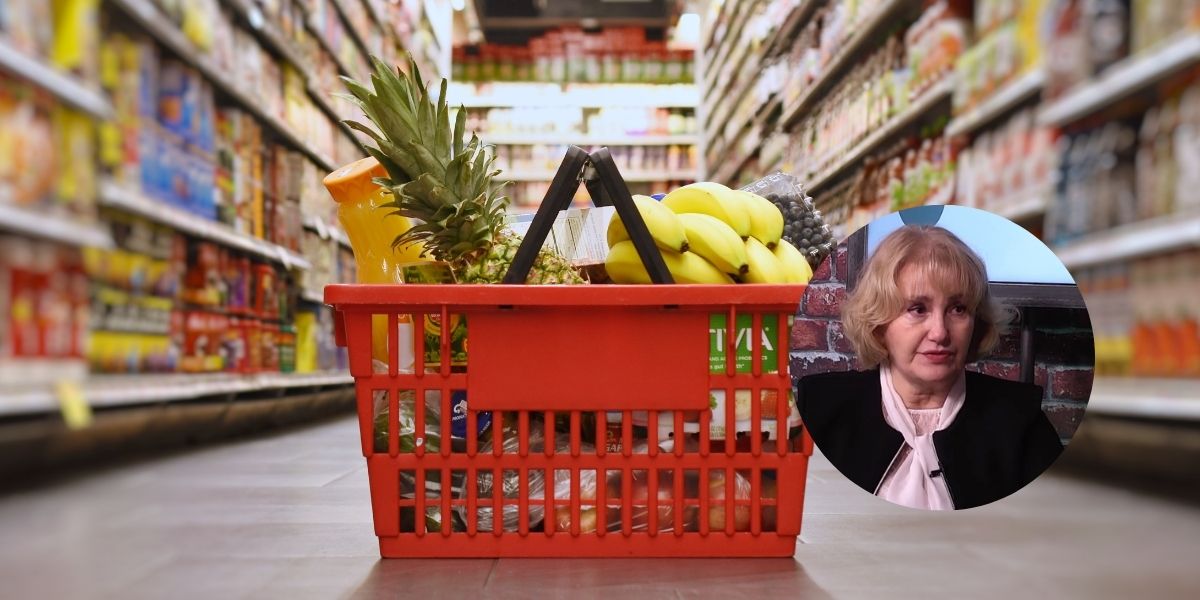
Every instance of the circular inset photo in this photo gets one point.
(944, 357)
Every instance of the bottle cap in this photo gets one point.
(352, 182)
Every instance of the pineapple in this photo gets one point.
(446, 184)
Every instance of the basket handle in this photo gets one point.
(606, 187)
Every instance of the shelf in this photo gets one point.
(849, 50)
(574, 95)
(1146, 398)
(326, 231)
(157, 24)
(350, 27)
(503, 139)
(724, 79)
(53, 228)
(108, 391)
(919, 108)
(274, 40)
(1131, 75)
(1154, 236)
(732, 168)
(311, 296)
(732, 33)
(786, 34)
(115, 196)
(65, 87)
(631, 176)
(1022, 209)
(1009, 97)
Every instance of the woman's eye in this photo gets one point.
(959, 309)
(916, 309)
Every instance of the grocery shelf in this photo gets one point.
(1007, 98)
(574, 95)
(157, 24)
(109, 391)
(55, 228)
(629, 176)
(578, 139)
(359, 41)
(1023, 208)
(1131, 241)
(797, 18)
(850, 49)
(1145, 398)
(312, 296)
(315, 31)
(729, 41)
(730, 169)
(919, 108)
(725, 79)
(269, 34)
(65, 87)
(116, 196)
(1131, 75)
(319, 226)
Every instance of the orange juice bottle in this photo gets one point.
(1144, 349)
(1187, 332)
(371, 235)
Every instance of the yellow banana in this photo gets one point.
(764, 267)
(663, 224)
(766, 222)
(624, 265)
(713, 199)
(715, 241)
(796, 268)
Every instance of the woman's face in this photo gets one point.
(928, 343)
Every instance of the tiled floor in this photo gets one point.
(287, 516)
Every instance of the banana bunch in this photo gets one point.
(709, 234)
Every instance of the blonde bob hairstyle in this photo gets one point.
(944, 260)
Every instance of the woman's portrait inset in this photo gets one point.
(916, 422)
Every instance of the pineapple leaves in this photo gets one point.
(460, 127)
(435, 174)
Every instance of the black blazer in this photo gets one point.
(999, 442)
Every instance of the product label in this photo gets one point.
(458, 418)
(744, 350)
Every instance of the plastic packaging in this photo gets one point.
(804, 227)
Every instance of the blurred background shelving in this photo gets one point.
(165, 233)
(1079, 120)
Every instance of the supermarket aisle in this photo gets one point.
(288, 516)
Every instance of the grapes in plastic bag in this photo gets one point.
(803, 225)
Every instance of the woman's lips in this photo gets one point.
(938, 356)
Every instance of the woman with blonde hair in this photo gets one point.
(917, 428)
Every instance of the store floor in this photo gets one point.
(287, 516)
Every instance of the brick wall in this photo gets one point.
(1063, 346)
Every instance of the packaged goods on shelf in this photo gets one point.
(1127, 171)
(573, 122)
(1008, 166)
(44, 294)
(331, 263)
(544, 158)
(61, 33)
(1153, 22)
(1144, 315)
(1087, 37)
(912, 172)
(46, 154)
(615, 55)
(881, 86)
(1007, 45)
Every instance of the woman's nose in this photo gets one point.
(938, 332)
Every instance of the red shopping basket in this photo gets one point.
(582, 421)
